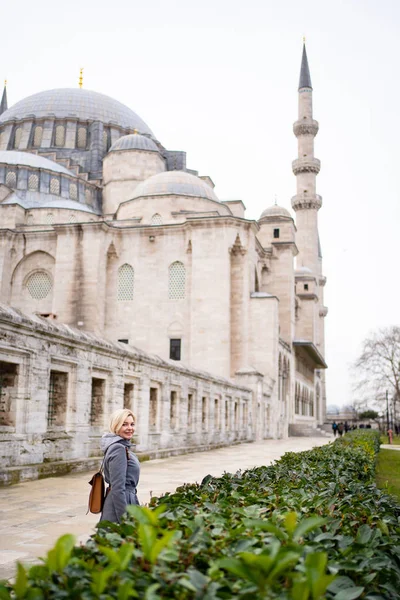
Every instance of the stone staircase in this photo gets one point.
(307, 430)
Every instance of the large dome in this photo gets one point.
(175, 183)
(81, 104)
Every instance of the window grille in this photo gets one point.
(17, 137)
(11, 179)
(125, 282)
(33, 182)
(60, 135)
(177, 277)
(73, 191)
(37, 136)
(49, 218)
(105, 141)
(72, 219)
(82, 137)
(51, 412)
(39, 285)
(156, 219)
(54, 186)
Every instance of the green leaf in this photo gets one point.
(100, 580)
(21, 582)
(300, 590)
(290, 522)
(160, 544)
(126, 591)
(58, 557)
(198, 580)
(350, 593)
(363, 535)
(307, 525)
(147, 538)
(125, 554)
(4, 593)
(150, 593)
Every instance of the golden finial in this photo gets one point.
(5, 83)
(304, 39)
(135, 131)
(81, 77)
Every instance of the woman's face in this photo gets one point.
(127, 428)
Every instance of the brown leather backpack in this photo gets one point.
(98, 491)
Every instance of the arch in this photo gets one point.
(156, 219)
(256, 281)
(125, 285)
(32, 283)
(176, 281)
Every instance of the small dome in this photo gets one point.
(84, 105)
(177, 183)
(10, 157)
(134, 141)
(303, 271)
(275, 211)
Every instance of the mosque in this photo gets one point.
(109, 240)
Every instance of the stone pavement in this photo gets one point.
(34, 514)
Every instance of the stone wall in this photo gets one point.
(58, 386)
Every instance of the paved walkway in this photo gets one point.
(35, 513)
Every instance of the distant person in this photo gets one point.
(340, 429)
(334, 428)
(121, 466)
(346, 427)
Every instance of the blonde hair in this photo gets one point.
(118, 417)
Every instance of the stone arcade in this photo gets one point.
(126, 281)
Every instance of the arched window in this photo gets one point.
(54, 186)
(60, 135)
(125, 282)
(176, 284)
(82, 137)
(156, 219)
(37, 136)
(17, 137)
(73, 191)
(50, 218)
(11, 179)
(33, 182)
(39, 285)
(72, 218)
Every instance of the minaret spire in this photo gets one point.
(306, 167)
(305, 77)
(3, 104)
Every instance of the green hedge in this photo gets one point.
(313, 525)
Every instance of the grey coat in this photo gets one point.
(121, 473)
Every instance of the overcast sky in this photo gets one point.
(219, 79)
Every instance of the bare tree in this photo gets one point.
(377, 369)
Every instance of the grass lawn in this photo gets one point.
(388, 472)
(385, 439)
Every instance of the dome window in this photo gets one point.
(156, 219)
(105, 141)
(17, 137)
(177, 280)
(82, 137)
(39, 285)
(54, 186)
(37, 136)
(276, 233)
(49, 218)
(73, 191)
(60, 135)
(126, 276)
(72, 218)
(33, 182)
(11, 179)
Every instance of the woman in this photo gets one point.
(121, 466)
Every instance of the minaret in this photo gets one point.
(306, 203)
(3, 104)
